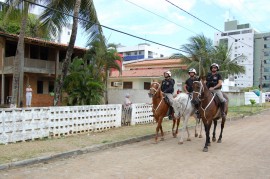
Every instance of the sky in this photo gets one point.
(161, 22)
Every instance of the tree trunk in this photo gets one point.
(18, 63)
(60, 82)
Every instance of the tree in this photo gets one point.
(201, 54)
(57, 16)
(103, 58)
(16, 11)
(80, 86)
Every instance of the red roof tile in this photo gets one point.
(140, 73)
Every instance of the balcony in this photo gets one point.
(31, 65)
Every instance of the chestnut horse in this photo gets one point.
(209, 109)
(160, 109)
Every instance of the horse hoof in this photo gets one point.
(196, 135)
(214, 139)
(209, 144)
(180, 142)
(219, 141)
(188, 139)
(205, 149)
(200, 136)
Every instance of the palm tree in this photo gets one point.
(80, 85)
(17, 83)
(57, 16)
(103, 58)
(201, 54)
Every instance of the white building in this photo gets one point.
(240, 38)
(64, 36)
(140, 51)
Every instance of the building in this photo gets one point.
(262, 60)
(63, 36)
(240, 39)
(42, 64)
(140, 51)
(137, 76)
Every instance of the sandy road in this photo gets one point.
(244, 153)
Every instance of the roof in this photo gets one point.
(139, 73)
(155, 63)
(148, 68)
(39, 41)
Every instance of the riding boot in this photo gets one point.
(170, 113)
(222, 107)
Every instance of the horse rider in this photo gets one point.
(188, 87)
(167, 88)
(214, 84)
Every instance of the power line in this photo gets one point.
(203, 21)
(106, 27)
(161, 17)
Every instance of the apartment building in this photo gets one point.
(240, 39)
(140, 51)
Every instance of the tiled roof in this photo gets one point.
(39, 41)
(155, 62)
(139, 73)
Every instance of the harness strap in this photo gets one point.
(204, 109)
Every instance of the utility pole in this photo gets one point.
(261, 72)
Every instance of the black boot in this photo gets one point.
(222, 107)
(170, 113)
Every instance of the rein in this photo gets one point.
(200, 94)
(156, 90)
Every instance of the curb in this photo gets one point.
(71, 153)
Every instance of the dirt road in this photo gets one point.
(244, 153)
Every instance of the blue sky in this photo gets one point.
(125, 16)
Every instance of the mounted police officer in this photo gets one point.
(188, 87)
(214, 84)
(189, 82)
(167, 87)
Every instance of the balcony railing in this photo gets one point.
(34, 65)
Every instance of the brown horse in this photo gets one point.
(209, 109)
(160, 109)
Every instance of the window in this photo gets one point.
(34, 52)
(127, 85)
(44, 53)
(234, 33)
(146, 85)
(39, 87)
(11, 48)
(68, 32)
(51, 86)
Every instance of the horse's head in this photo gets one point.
(198, 90)
(154, 89)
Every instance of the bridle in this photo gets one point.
(156, 90)
(200, 91)
(200, 94)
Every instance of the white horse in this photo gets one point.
(183, 108)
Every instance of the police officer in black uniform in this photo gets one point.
(189, 82)
(188, 87)
(214, 84)
(167, 87)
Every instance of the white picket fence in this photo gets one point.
(21, 124)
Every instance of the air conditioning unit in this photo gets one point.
(117, 83)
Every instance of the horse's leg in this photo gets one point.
(181, 141)
(197, 121)
(221, 131)
(177, 126)
(207, 138)
(214, 131)
(157, 129)
(161, 130)
(173, 132)
(200, 136)
(188, 138)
